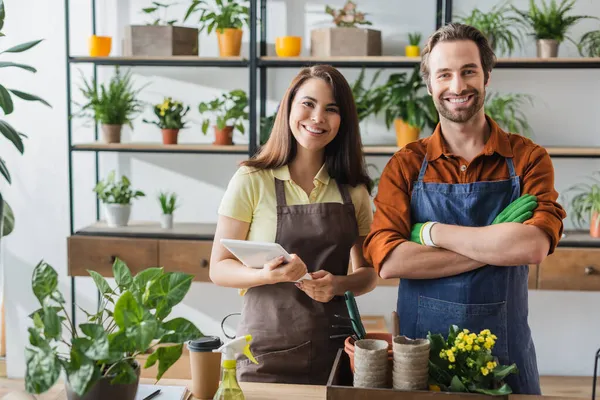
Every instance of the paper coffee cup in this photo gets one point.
(205, 366)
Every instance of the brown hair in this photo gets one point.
(453, 32)
(343, 155)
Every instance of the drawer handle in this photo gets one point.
(113, 259)
(590, 270)
(204, 263)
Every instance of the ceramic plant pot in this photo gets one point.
(111, 133)
(595, 226)
(230, 42)
(412, 51)
(170, 136)
(103, 390)
(166, 221)
(99, 46)
(224, 137)
(405, 133)
(288, 46)
(117, 215)
(547, 48)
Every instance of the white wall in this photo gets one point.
(565, 324)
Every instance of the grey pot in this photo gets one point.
(166, 221)
(103, 390)
(117, 215)
(111, 133)
(547, 48)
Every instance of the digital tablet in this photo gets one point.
(255, 254)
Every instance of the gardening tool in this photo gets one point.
(357, 324)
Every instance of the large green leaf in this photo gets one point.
(119, 343)
(124, 373)
(166, 357)
(170, 289)
(29, 97)
(503, 390)
(44, 281)
(456, 385)
(23, 47)
(122, 274)
(4, 64)
(8, 223)
(81, 372)
(182, 331)
(11, 134)
(91, 348)
(42, 370)
(503, 371)
(142, 334)
(101, 283)
(128, 311)
(2, 14)
(52, 323)
(4, 171)
(6, 102)
(142, 279)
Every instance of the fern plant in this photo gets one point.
(589, 44)
(365, 97)
(586, 202)
(507, 111)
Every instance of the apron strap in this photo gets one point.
(511, 167)
(280, 192)
(346, 198)
(423, 168)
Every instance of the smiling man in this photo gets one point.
(461, 214)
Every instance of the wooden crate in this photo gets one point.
(160, 41)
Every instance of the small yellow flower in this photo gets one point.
(476, 348)
(487, 345)
(490, 365)
(450, 366)
(484, 371)
(449, 353)
(435, 388)
(466, 331)
(461, 346)
(460, 335)
(162, 113)
(480, 339)
(485, 332)
(469, 340)
(469, 347)
(453, 349)
(451, 358)
(443, 354)
(494, 337)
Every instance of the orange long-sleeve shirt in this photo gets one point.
(392, 220)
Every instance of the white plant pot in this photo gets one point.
(117, 214)
(166, 221)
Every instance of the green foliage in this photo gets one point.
(168, 202)
(229, 108)
(550, 21)
(266, 125)
(111, 191)
(114, 104)
(464, 363)
(156, 9)
(586, 201)
(589, 44)
(507, 111)
(500, 25)
(7, 218)
(129, 322)
(364, 97)
(405, 97)
(414, 39)
(227, 14)
(170, 114)
(347, 16)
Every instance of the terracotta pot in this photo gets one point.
(230, 42)
(170, 136)
(405, 133)
(349, 346)
(595, 226)
(104, 390)
(224, 137)
(111, 133)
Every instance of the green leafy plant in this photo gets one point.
(414, 39)
(405, 97)
(464, 363)
(364, 97)
(227, 14)
(347, 16)
(113, 104)
(589, 44)
(130, 321)
(168, 202)
(170, 114)
(550, 21)
(7, 218)
(111, 191)
(507, 111)
(229, 108)
(266, 125)
(156, 9)
(585, 204)
(500, 25)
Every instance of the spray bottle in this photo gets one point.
(229, 389)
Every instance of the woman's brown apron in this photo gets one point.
(291, 331)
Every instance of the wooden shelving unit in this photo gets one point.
(174, 61)
(161, 148)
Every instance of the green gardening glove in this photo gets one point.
(415, 233)
(518, 211)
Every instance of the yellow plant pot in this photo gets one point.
(99, 46)
(288, 46)
(230, 42)
(412, 51)
(405, 133)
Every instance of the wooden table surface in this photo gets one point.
(560, 387)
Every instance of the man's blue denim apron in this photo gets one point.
(491, 297)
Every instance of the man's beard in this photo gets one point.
(461, 114)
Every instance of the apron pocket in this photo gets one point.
(436, 316)
(290, 365)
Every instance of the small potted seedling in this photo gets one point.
(116, 197)
(168, 204)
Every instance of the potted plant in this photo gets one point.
(168, 204)
(501, 26)
(346, 38)
(365, 97)
(230, 110)
(585, 205)
(413, 49)
(113, 105)
(99, 360)
(550, 24)
(589, 44)
(406, 105)
(507, 111)
(116, 197)
(227, 19)
(170, 115)
(160, 37)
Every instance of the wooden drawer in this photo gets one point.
(98, 254)
(571, 269)
(189, 256)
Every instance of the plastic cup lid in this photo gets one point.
(206, 343)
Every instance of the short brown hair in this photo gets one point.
(344, 156)
(453, 32)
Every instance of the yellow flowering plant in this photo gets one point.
(464, 363)
(170, 114)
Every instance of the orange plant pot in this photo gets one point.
(224, 137)
(595, 226)
(170, 136)
(405, 133)
(349, 346)
(100, 46)
(230, 42)
(288, 46)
